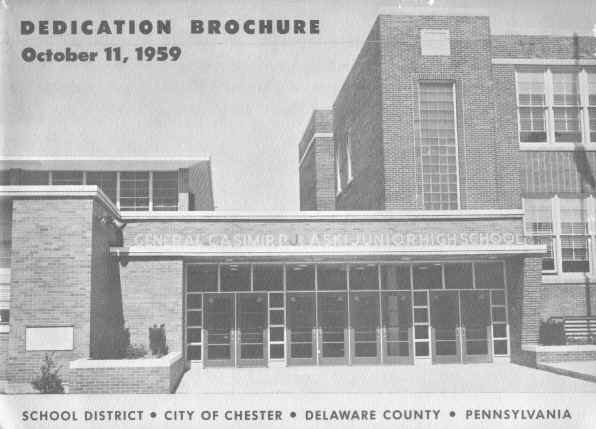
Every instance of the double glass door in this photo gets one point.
(460, 326)
(236, 329)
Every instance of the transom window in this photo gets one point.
(438, 145)
(567, 227)
(106, 180)
(556, 106)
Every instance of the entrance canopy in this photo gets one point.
(308, 253)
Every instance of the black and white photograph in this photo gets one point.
(298, 213)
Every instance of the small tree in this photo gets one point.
(49, 381)
(157, 340)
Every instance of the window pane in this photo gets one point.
(276, 351)
(565, 89)
(106, 180)
(531, 89)
(427, 276)
(458, 276)
(268, 277)
(32, 178)
(489, 275)
(235, 277)
(276, 300)
(134, 190)
(364, 276)
(202, 278)
(276, 334)
(332, 277)
(67, 177)
(165, 190)
(567, 124)
(300, 277)
(395, 277)
(438, 145)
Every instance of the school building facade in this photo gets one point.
(447, 211)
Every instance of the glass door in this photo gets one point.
(445, 333)
(365, 327)
(333, 327)
(475, 322)
(219, 329)
(397, 327)
(252, 329)
(301, 316)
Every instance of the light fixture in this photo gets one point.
(110, 220)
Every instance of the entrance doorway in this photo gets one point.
(252, 329)
(219, 329)
(460, 326)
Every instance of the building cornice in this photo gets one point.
(546, 61)
(52, 191)
(368, 215)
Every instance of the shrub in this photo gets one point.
(157, 340)
(551, 333)
(49, 381)
(135, 351)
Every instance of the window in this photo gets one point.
(235, 277)
(364, 276)
(574, 236)
(438, 146)
(106, 180)
(539, 228)
(134, 190)
(592, 106)
(202, 278)
(531, 101)
(434, 42)
(268, 277)
(338, 171)
(165, 190)
(67, 177)
(4, 303)
(300, 277)
(32, 178)
(332, 277)
(566, 108)
(557, 105)
(567, 228)
(349, 171)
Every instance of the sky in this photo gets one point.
(242, 100)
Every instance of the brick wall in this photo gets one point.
(3, 355)
(316, 172)
(127, 378)
(543, 46)
(469, 67)
(200, 186)
(51, 264)
(152, 293)
(506, 138)
(106, 321)
(358, 112)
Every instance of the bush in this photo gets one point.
(157, 340)
(49, 381)
(135, 351)
(552, 333)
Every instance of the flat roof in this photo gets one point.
(120, 163)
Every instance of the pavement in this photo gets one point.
(480, 378)
(583, 370)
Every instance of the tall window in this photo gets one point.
(349, 170)
(134, 190)
(591, 101)
(557, 106)
(531, 100)
(566, 108)
(67, 177)
(106, 180)
(438, 145)
(165, 190)
(567, 226)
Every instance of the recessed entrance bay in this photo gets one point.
(255, 314)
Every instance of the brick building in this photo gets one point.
(447, 210)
